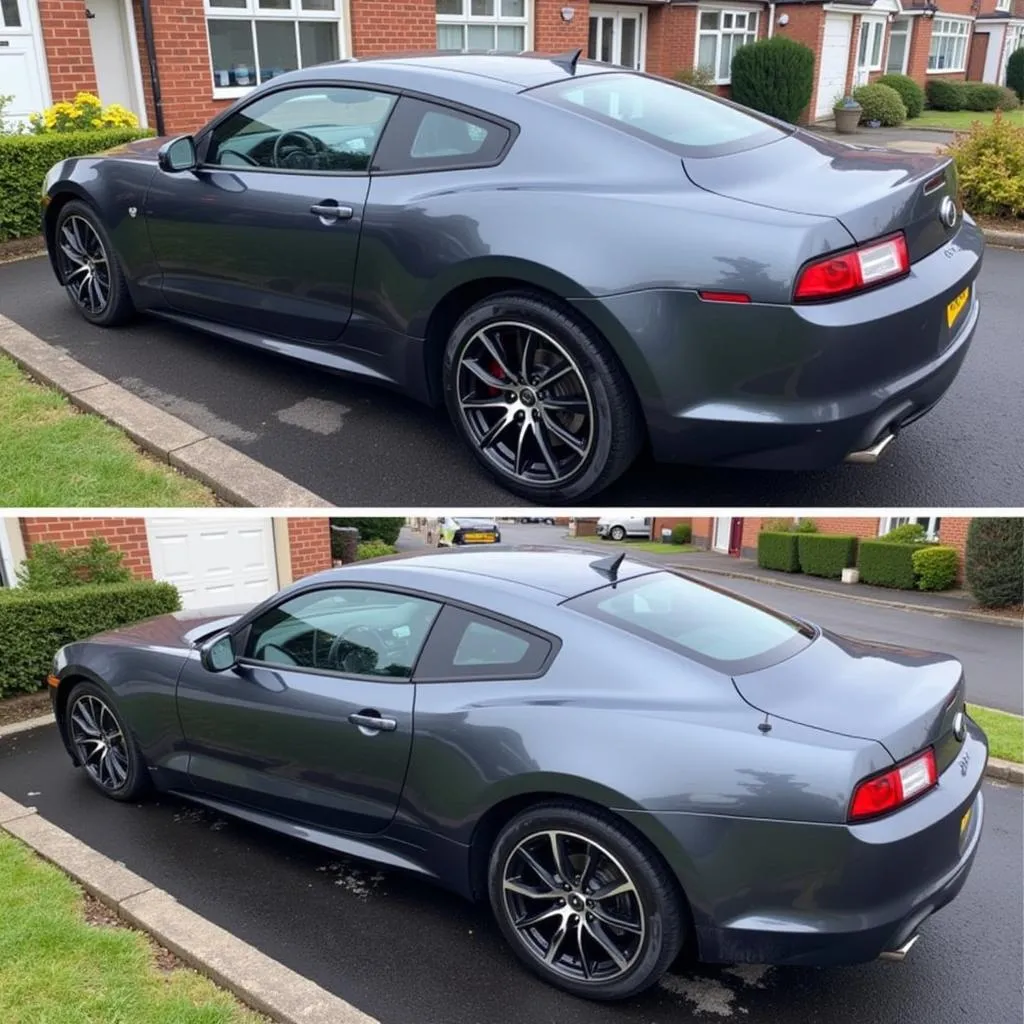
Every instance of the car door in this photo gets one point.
(314, 720)
(263, 234)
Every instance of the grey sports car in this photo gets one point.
(626, 763)
(577, 259)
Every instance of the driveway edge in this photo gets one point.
(235, 477)
(1007, 239)
(257, 980)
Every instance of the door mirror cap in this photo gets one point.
(217, 654)
(177, 155)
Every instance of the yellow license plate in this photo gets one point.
(955, 308)
(480, 538)
(964, 822)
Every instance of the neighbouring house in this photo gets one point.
(177, 62)
(219, 560)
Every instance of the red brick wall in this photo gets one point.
(310, 542)
(379, 27)
(550, 33)
(666, 523)
(127, 535)
(953, 531)
(671, 39)
(806, 25)
(68, 49)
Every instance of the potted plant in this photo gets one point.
(847, 113)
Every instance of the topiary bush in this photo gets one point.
(990, 164)
(981, 96)
(778, 551)
(993, 561)
(910, 92)
(887, 564)
(374, 549)
(880, 103)
(943, 95)
(698, 78)
(682, 533)
(826, 554)
(1008, 99)
(1015, 72)
(935, 567)
(49, 567)
(775, 76)
(34, 624)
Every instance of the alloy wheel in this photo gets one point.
(99, 741)
(84, 266)
(574, 906)
(525, 403)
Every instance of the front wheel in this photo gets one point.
(583, 903)
(617, 533)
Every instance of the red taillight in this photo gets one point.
(846, 272)
(895, 787)
(724, 296)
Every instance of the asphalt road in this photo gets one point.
(410, 954)
(359, 445)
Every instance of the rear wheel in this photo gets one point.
(583, 903)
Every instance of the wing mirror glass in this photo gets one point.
(218, 653)
(178, 155)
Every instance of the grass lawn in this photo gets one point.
(53, 455)
(1005, 732)
(646, 545)
(960, 120)
(55, 968)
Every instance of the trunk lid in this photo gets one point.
(904, 699)
(871, 192)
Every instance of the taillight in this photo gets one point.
(846, 272)
(895, 787)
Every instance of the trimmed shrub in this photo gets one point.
(1015, 72)
(981, 96)
(34, 624)
(24, 162)
(935, 567)
(775, 76)
(887, 564)
(994, 561)
(697, 78)
(1008, 99)
(374, 549)
(908, 533)
(805, 526)
(384, 529)
(990, 163)
(910, 92)
(776, 525)
(49, 567)
(943, 95)
(826, 554)
(682, 533)
(881, 103)
(778, 551)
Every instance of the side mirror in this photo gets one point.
(177, 155)
(218, 653)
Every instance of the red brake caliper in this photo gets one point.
(495, 370)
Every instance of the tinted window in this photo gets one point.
(320, 128)
(683, 120)
(702, 622)
(359, 632)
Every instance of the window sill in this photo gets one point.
(946, 71)
(231, 92)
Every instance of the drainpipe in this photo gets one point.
(154, 77)
(771, 20)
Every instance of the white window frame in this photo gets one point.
(496, 20)
(909, 22)
(951, 19)
(931, 531)
(752, 14)
(252, 13)
(1002, 5)
(638, 14)
(872, 29)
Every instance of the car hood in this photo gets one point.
(178, 629)
(142, 149)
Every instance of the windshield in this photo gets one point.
(708, 625)
(687, 121)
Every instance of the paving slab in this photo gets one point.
(11, 810)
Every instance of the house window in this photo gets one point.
(949, 44)
(721, 34)
(1002, 5)
(253, 41)
(899, 47)
(930, 523)
(869, 51)
(482, 25)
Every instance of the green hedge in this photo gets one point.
(1015, 72)
(994, 560)
(24, 162)
(981, 96)
(380, 528)
(374, 549)
(682, 533)
(943, 95)
(34, 624)
(824, 554)
(886, 564)
(910, 92)
(778, 551)
(775, 76)
(935, 567)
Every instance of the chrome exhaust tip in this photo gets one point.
(872, 454)
(901, 953)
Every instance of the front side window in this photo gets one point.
(869, 53)
(899, 36)
(316, 128)
(949, 44)
(253, 41)
(348, 630)
(720, 35)
(499, 25)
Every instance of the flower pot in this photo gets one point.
(851, 575)
(847, 119)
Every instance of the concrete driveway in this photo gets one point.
(359, 445)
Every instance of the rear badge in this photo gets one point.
(947, 212)
(959, 727)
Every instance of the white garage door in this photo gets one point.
(835, 58)
(213, 562)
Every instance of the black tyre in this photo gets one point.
(540, 398)
(617, 533)
(104, 747)
(89, 267)
(584, 903)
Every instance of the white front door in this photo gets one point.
(723, 527)
(835, 59)
(899, 46)
(870, 44)
(617, 36)
(111, 54)
(215, 561)
(22, 64)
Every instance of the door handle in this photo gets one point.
(330, 210)
(372, 721)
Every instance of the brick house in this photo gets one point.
(177, 62)
(217, 560)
